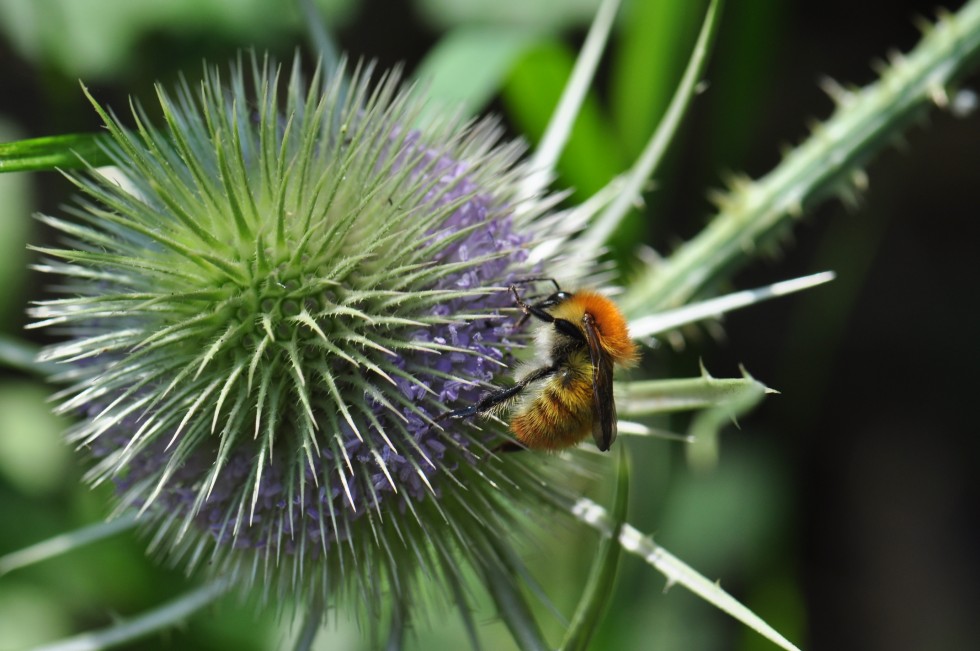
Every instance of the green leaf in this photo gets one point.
(592, 155)
(468, 66)
(599, 588)
(656, 37)
(656, 146)
(72, 151)
(546, 14)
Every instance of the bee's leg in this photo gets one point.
(537, 310)
(497, 398)
(531, 309)
(485, 404)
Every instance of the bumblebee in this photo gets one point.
(567, 393)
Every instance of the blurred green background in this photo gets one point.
(844, 511)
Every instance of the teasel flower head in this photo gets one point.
(268, 301)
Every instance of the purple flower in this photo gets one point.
(268, 313)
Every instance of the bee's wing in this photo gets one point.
(604, 423)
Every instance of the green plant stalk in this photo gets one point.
(650, 397)
(753, 214)
(598, 591)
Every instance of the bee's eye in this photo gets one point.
(555, 299)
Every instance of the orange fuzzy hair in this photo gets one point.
(610, 323)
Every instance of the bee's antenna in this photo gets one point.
(537, 279)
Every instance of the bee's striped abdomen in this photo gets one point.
(559, 416)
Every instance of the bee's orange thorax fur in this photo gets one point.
(613, 331)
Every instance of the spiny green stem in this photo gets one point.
(754, 214)
(598, 590)
(648, 397)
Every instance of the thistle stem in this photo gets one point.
(755, 213)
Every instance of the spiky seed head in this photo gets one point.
(267, 303)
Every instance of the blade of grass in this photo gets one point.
(467, 66)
